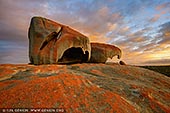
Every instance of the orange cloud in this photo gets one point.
(160, 54)
(112, 26)
(98, 38)
(116, 16)
(104, 11)
(163, 6)
(155, 18)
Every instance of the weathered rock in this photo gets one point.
(51, 42)
(101, 52)
(122, 63)
(85, 88)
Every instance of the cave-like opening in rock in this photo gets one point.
(74, 55)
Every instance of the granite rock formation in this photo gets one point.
(101, 52)
(51, 42)
(85, 88)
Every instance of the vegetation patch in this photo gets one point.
(160, 69)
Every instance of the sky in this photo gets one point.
(140, 28)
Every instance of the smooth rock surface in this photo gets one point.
(85, 88)
(100, 52)
(48, 42)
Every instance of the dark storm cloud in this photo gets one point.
(165, 31)
(165, 28)
(11, 52)
(14, 22)
(10, 33)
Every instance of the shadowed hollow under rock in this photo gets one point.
(74, 55)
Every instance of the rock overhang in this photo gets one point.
(48, 41)
(53, 43)
(101, 52)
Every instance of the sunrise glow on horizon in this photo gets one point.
(141, 28)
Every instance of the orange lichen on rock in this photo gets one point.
(62, 91)
(85, 88)
(94, 71)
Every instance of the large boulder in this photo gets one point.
(101, 52)
(51, 42)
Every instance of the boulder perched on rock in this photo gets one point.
(84, 88)
(101, 52)
(122, 63)
(51, 42)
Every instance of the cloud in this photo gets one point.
(15, 18)
(145, 44)
(163, 6)
(134, 26)
(165, 33)
(155, 18)
(157, 62)
(11, 52)
(14, 21)
(162, 10)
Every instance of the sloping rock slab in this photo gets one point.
(91, 88)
